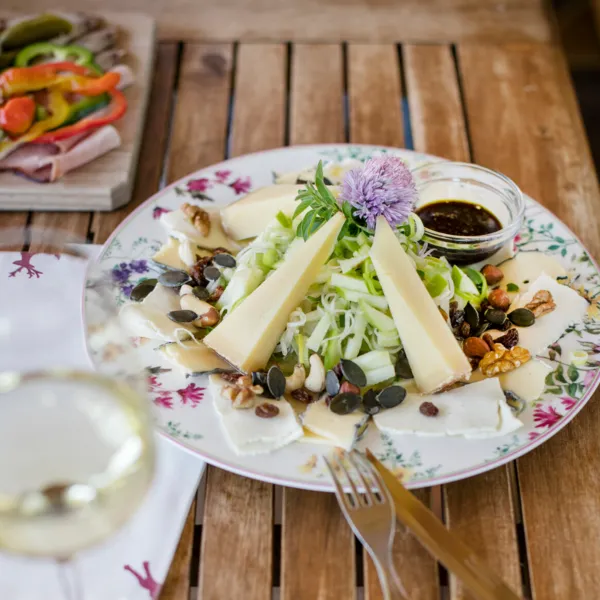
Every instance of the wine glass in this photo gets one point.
(76, 435)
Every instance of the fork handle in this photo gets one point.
(391, 585)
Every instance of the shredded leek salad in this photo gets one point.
(345, 314)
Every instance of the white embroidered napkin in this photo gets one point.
(133, 564)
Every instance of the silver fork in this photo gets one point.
(371, 516)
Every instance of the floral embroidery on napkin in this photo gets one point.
(25, 264)
(146, 582)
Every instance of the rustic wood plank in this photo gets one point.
(541, 144)
(375, 95)
(316, 103)
(16, 220)
(177, 583)
(237, 553)
(317, 546)
(260, 98)
(479, 509)
(317, 551)
(70, 227)
(154, 144)
(201, 113)
(331, 20)
(375, 101)
(237, 538)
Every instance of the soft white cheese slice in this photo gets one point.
(570, 308)
(194, 358)
(249, 216)
(434, 355)
(179, 226)
(178, 255)
(526, 267)
(250, 434)
(528, 381)
(148, 318)
(507, 423)
(341, 430)
(467, 410)
(247, 336)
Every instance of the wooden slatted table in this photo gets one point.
(502, 99)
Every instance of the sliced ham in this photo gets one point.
(45, 163)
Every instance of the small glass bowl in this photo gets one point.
(470, 183)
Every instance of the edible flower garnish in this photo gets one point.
(385, 186)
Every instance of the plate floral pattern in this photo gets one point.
(183, 407)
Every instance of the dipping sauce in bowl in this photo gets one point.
(469, 212)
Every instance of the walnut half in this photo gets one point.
(199, 217)
(242, 393)
(542, 303)
(502, 360)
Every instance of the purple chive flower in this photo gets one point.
(139, 266)
(384, 187)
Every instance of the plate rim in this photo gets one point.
(326, 485)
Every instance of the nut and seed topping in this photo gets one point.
(443, 313)
(429, 409)
(464, 330)
(224, 259)
(489, 340)
(197, 271)
(402, 367)
(217, 293)
(471, 316)
(142, 289)
(332, 383)
(211, 273)
(266, 410)
(492, 274)
(210, 318)
(495, 316)
(457, 316)
(182, 316)
(370, 404)
(231, 377)
(391, 396)
(353, 373)
(199, 218)
(510, 339)
(344, 404)
(173, 279)
(499, 299)
(276, 381)
(475, 347)
(348, 387)
(522, 317)
(542, 303)
(503, 360)
(200, 292)
(303, 395)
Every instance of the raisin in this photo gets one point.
(302, 395)
(217, 293)
(464, 330)
(429, 409)
(475, 360)
(510, 339)
(197, 271)
(457, 316)
(266, 411)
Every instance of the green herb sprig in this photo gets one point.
(322, 205)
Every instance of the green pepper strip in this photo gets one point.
(52, 53)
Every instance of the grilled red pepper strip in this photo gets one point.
(115, 110)
(20, 80)
(87, 86)
(16, 115)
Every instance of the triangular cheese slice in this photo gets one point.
(249, 216)
(248, 335)
(434, 355)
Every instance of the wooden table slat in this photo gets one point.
(524, 122)
(154, 142)
(479, 509)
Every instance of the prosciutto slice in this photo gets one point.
(46, 163)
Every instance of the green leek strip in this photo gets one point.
(302, 349)
(347, 282)
(376, 318)
(318, 335)
(355, 341)
(380, 374)
(376, 301)
(374, 360)
(284, 220)
(436, 285)
(333, 354)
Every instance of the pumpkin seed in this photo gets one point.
(332, 383)
(515, 402)
(402, 367)
(391, 396)
(344, 404)
(276, 381)
(142, 289)
(522, 317)
(173, 278)
(260, 378)
(370, 404)
(224, 260)
(481, 329)
(182, 316)
(495, 316)
(353, 373)
(212, 273)
(200, 292)
(471, 316)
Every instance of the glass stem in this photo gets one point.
(69, 580)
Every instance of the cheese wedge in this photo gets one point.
(471, 410)
(249, 434)
(178, 255)
(340, 430)
(249, 216)
(334, 172)
(149, 318)
(528, 381)
(570, 308)
(434, 355)
(248, 335)
(194, 358)
(526, 267)
(180, 227)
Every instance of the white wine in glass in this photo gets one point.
(76, 433)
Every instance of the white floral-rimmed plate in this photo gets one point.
(183, 407)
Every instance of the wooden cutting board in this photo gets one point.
(105, 183)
